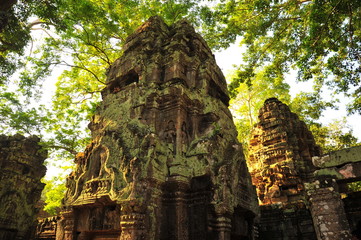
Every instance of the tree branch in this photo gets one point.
(83, 68)
(36, 22)
(72, 151)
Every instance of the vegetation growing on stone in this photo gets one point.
(316, 38)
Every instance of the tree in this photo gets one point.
(321, 39)
(330, 137)
(335, 136)
(248, 97)
(15, 30)
(53, 194)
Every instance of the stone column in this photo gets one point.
(181, 218)
(66, 228)
(222, 227)
(176, 210)
(327, 210)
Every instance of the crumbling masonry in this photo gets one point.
(21, 166)
(300, 192)
(164, 162)
(280, 161)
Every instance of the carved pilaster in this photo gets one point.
(222, 226)
(66, 227)
(132, 221)
(175, 211)
(181, 221)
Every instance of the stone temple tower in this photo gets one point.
(280, 161)
(281, 151)
(164, 162)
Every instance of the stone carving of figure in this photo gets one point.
(184, 138)
(170, 135)
(135, 172)
(70, 185)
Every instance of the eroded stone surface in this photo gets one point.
(164, 159)
(327, 210)
(335, 218)
(280, 154)
(21, 166)
(338, 158)
(280, 161)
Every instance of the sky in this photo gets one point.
(233, 56)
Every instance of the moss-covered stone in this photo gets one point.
(338, 158)
(21, 166)
(164, 143)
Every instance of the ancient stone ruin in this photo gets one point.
(336, 209)
(300, 193)
(164, 162)
(21, 166)
(280, 161)
(281, 150)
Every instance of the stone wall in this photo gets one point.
(21, 166)
(327, 210)
(164, 159)
(288, 221)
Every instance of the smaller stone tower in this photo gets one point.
(281, 150)
(280, 162)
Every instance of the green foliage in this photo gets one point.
(310, 106)
(354, 186)
(53, 194)
(334, 136)
(249, 97)
(320, 39)
(15, 30)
